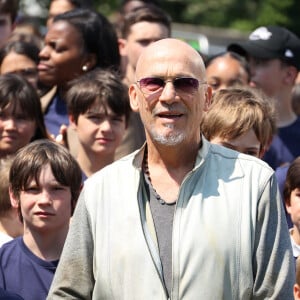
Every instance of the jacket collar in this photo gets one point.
(202, 153)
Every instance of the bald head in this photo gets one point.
(178, 50)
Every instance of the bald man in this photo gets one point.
(180, 218)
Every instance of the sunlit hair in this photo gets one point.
(125, 3)
(147, 13)
(97, 33)
(20, 94)
(30, 160)
(235, 111)
(292, 180)
(98, 86)
(79, 3)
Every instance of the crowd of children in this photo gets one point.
(65, 114)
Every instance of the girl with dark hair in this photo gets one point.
(21, 118)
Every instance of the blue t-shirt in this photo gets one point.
(285, 146)
(24, 273)
(56, 115)
(4, 295)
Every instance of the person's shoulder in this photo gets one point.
(228, 156)
(10, 250)
(11, 244)
(4, 238)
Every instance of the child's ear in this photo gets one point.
(72, 122)
(13, 199)
(287, 206)
(296, 292)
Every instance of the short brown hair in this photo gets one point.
(30, 160)
(102, 86)
(235, 111)
(147, 13)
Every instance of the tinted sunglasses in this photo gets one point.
(153, 85)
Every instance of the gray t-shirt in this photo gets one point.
(163, 221)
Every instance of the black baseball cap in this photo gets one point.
(270, 42)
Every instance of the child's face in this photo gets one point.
(100, 130)
(246, 143)
(46, 205)
(293, 208)
(16, 130)
(225, 72)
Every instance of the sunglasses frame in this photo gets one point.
(192, 87)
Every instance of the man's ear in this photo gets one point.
(72, 122)
(13, 199)
(208, 95)
(133, 97)
(122, 47)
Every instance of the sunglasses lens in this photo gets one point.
(186, 84)
(151, 85)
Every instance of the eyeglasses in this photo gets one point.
(155, 85)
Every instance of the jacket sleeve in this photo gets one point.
(273, 262)
(74, 278)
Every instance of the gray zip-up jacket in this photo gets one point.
(230, 237)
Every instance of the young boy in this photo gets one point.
(291, 195)
(98, 110)
(241, 119)
(45, 181)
